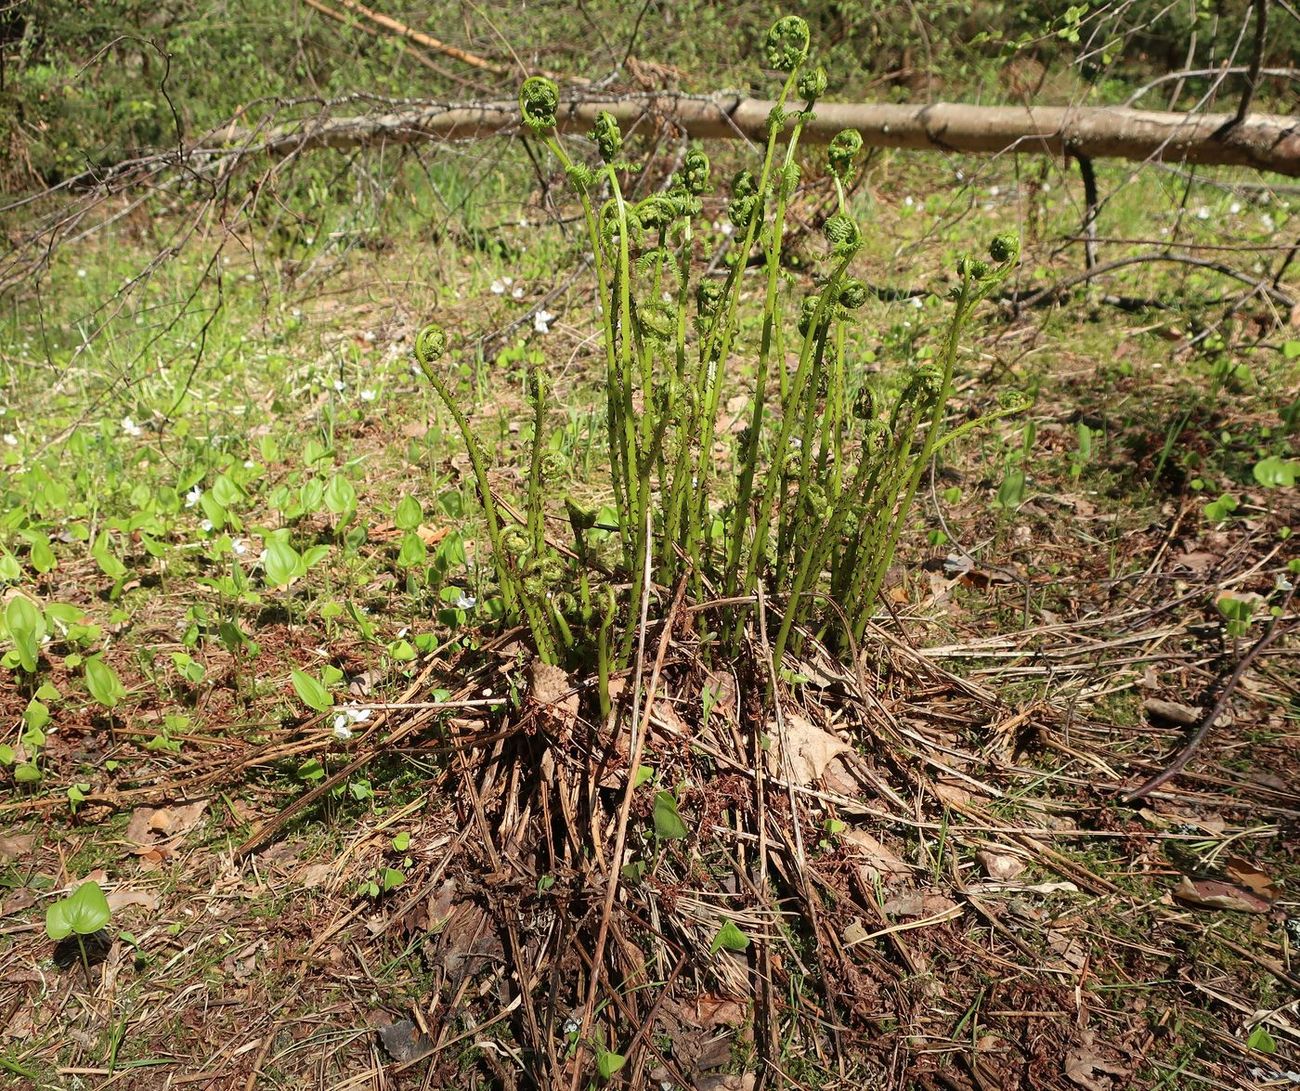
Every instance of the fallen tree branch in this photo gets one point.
(1266, 142)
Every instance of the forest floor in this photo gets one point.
(927, 871)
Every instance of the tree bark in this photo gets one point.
(1266, 142)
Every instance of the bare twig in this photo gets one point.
(1190, 747)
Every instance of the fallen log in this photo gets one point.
(1266, 142)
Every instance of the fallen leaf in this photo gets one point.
(917, 903)
(122, 899)
(552, 689)
(404, 1041)
(1087, 1068)
(714, 1011)
(178, 820)
(745, 1081)
(1171, 712)
(314, 875)
(807, 750)
(1213, 894)
(877, 859)
(1248, 875)
(431, 536)
(1000, 866)
(14, 845)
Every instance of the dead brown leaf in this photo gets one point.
(1248, 875)
(808, 749)
(1087, 1068)
(15, 845)
(1214, 894)
(877, 859)
(122, 899)
(1000, 866)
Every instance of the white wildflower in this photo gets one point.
(1234, 208)
(205, 525)
(466, 602)
(81, 273)
(238, 546)
(727, 227)
(131, 428)
(908, 201)
(518, 293)
(345, 718)
(340, 385)
(498, 288)
(193, 496)
(368, 395)
(1202, 213)
(542, 321)
(10, 439)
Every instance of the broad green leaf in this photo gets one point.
(391, 879)
(36, 715)
(103, 682)
(340, 496)
(311, 692)
(729, 938)
(10, 570)
(402, 841)
(27, 773)
(409, 513)
(413, 551)
(668, 823)
(26, 626)
(607, 1063)
(84, 912)
(1275, 473)
(42, 554)
(1261, 1041)
(280, 562)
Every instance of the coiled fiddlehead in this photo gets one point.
(843, 152)
(607, 136)
(539, 101)
(786, 47)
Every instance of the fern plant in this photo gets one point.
(812, 497)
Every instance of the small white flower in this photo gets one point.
(10, 439)
(908, 202)
(131, 428)
(498, 288)
(205, 525)
(994, 191)
(249, 463)
(542, 321)
(81, 273)
(340, 385)
(523, 221)
(727, 227)
(518, 293)
(193, 496)
(367, 395)
(1234, 208)
(345, 718)
(296, 312)
(916, 302)
(238, 546)
(466, 602)
(368, 337)
(507, 281)
(1202, 213)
